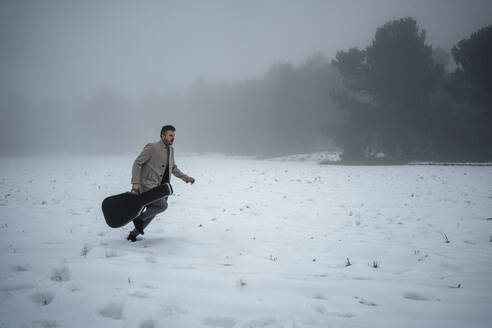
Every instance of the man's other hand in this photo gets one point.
(191, 180)
(136, 187)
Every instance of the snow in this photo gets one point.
(253, 243)
(322, 156)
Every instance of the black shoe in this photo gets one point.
(131, 237)
(138, 226)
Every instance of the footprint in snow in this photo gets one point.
(414, 296)
(111, 253)
(319, 296)
(112, 310)
(223, 322)
(322, 310)
(43, 297)
(138, 294)
(18, 268)
(61, 274)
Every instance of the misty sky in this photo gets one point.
(67, 49)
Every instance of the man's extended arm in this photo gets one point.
(177, 173)
(139, 161)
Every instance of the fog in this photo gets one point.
(239, 77)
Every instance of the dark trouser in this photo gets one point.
(150, 212)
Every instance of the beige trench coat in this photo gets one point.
(148, 168)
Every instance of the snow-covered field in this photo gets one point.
(253, 243)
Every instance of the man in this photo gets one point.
(153, 167)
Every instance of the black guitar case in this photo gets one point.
(120, 209)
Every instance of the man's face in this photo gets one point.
(168, 138)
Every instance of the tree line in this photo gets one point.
(399, 103)
(394, 101)
(283, 112)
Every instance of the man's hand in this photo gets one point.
(136, 187)
(190, 180)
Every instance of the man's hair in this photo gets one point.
(166, 128)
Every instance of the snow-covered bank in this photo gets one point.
(254, 243)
